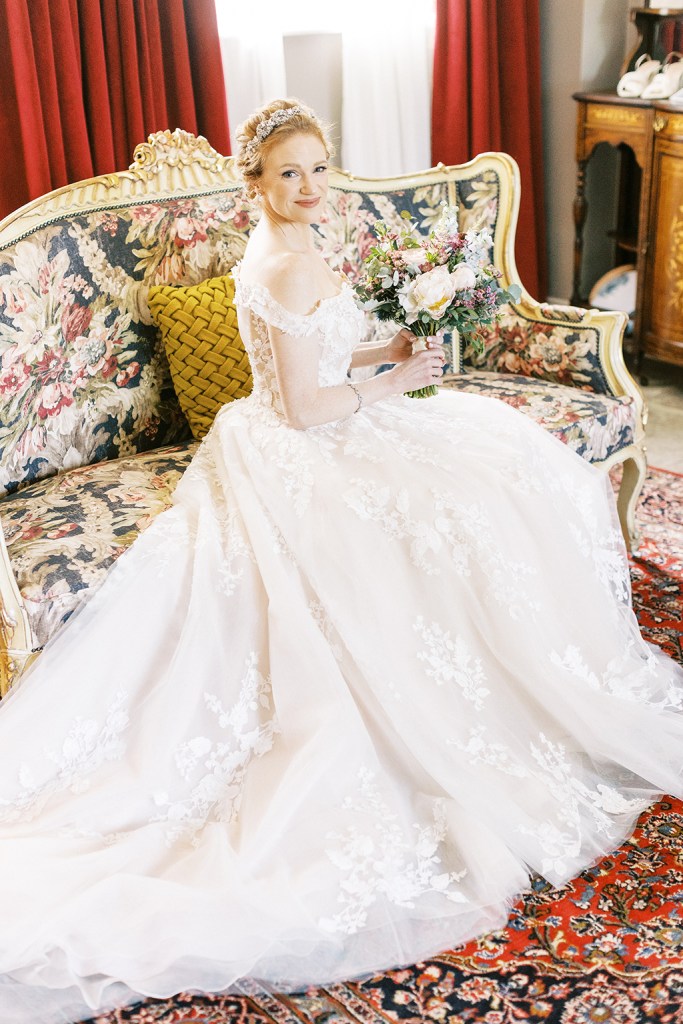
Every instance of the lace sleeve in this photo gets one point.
(257, 298)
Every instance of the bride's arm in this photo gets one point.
(393, 350)
(306, 404)
(370, 353)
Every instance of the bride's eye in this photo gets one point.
(321, 167)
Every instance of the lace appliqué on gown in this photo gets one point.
(450, 659)
(215, 768)
(382, 859)
(87, 745)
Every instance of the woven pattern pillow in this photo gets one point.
(209, 366)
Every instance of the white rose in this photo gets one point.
(431, 292)
(463, 277)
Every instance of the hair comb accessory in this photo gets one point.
(269, 125)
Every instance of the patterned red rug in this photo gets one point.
(606, 949)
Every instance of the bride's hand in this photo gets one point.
(421, 369)
(400, 347)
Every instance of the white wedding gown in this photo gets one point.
(331, 708)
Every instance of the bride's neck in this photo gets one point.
(296, 237)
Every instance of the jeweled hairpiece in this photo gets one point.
(269, 125)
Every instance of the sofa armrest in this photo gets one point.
(565, 344)
(16, 640)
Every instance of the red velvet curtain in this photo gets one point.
(487, 96)
(83, 81)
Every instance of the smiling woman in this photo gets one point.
(257, 136)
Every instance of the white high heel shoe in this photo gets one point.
(633, 82)
(667, 81)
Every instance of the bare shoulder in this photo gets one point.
(294, 280)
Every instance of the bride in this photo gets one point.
(376, 665)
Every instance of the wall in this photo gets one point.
(313, 66)
(583, 43)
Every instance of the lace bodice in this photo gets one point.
(336, 321)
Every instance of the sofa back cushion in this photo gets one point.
(83, 376)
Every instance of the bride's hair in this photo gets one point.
(270, 124)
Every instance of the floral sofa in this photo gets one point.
(92, 440)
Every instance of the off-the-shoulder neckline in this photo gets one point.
(255, 287)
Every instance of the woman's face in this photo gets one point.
(293, 184)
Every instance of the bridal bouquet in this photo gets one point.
(442, 282)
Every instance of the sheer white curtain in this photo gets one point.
(385, 79)
(253, 59)
(388, 54)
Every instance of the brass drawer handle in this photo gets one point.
(660, 121)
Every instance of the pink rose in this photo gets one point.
(414, 257)
(13, 379)
(53, 398)
(75, 320)
(188, 232)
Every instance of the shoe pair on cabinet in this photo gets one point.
(652, 79)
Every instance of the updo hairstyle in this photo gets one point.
(253, 149)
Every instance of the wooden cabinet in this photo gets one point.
(649, 226)
(661, 327)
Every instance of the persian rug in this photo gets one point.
(605, 949)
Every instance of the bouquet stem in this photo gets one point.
(427, 392)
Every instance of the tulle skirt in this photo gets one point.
(328, 713)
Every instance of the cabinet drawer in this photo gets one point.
(608, 115)
(668, 126)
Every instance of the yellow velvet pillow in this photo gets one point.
(209, 366)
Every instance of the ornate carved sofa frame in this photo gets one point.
(92, 440)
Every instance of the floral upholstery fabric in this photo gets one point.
(594, 426)
(346, 227)
(83, 376)
(541, 348)
(63, 533)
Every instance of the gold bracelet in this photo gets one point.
(357, 394)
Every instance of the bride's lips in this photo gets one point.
(307, 202)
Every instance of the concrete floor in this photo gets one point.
(664, 432)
